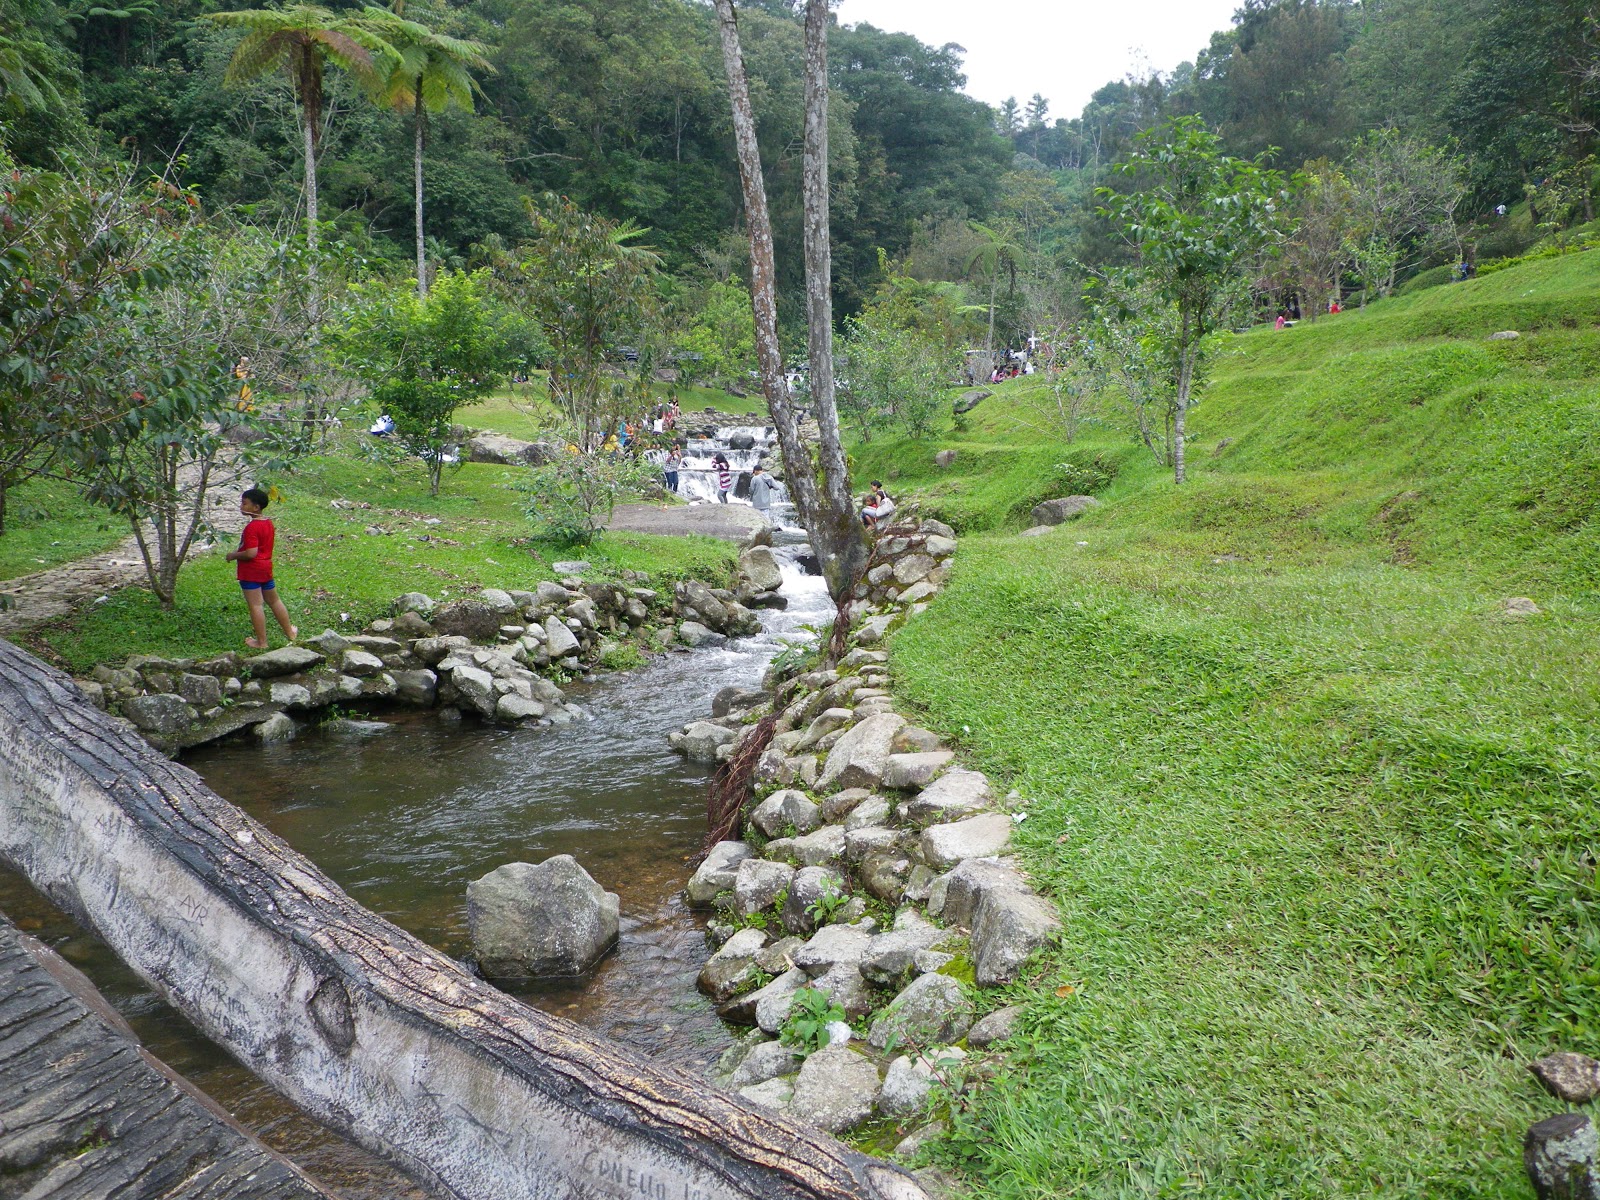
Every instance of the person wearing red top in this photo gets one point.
(254, 557)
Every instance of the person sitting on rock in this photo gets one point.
(878, 506)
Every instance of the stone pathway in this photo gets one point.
(31, 600)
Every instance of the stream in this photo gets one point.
(405, 820)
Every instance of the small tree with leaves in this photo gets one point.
(1200, 220)
(425, 358)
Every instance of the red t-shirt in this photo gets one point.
(258, 533)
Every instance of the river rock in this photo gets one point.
(1560, 1155)
(276, 728)
(419, 688)
(1010, 927)
(1574, 1078)
(806, 890)
(414, 602)
(1054, 512)
(858, 758)
(907, 1084)
(776, 1094)
(943, 846)
(874, 839)
(757, 884)
(874, 629)
(351, 730)
(884, 874)
(734, 700)
(766, 1007)
(559, 641)
(832, 946)
(996, 1027)
(758, 567)
(514, 707)
(286, 660)
(955, 896)
(823, 848)
(202, 691)
(700, 741)
(475, 620)
(766, 1060)
(835, 1090)
(930, 1010)
(501, 450)
(871, 813)
(841, 804)
(290, 695)
(908, 771)
(779, 956)
(716, 872)
(732, 966)
(695, 635)
(891, 956)
(955, 795)
(435, 650)
(786, 813)
(475, 686)
(828, 721)
(912, 568)
(844, 986)
(540, 920)
(360, 663)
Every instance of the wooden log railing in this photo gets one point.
(363, 1026)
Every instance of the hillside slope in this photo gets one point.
(1320, 815)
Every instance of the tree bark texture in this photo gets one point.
(378, 1035)
(86, 1112)
(837, 533)
(422, 254)
(817, 513)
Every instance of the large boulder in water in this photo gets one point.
(759, 571)
(540, 920)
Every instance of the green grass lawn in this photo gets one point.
(1322, 820)
(332, 573)
(48, 524)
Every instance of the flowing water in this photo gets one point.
(406, 820)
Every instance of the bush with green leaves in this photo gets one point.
(894, 376)
(806, 1028)
(570, 499)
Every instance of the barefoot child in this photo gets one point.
(254, 557)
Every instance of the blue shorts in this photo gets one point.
(251, 585)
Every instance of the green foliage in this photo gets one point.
(806, 1027)
(826, 906)
(425, 358)
(722, 332)
(894, 376)
(571, 498)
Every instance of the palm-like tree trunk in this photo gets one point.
(422, 255)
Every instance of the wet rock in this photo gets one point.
(735, 700)
(996, 1027)
(717, 872)
(475, 620)
(758, 883)
(476, 688)
(1574, 1078)
(777, 995)
(759, 570)
(732, 966)
(930, 1010)
(786, 810)
(1010, 927)
(286, 660)
(835, 1089)
(695, 635)
(347, 729)
(549, 919)
(512, 707)
(908, 771)
(276, 728)
(700, 741)
(955, 795)
(943, 846)
(419, 688)
(858, 759)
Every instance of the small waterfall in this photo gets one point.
(744, 446)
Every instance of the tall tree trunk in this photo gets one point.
(836, 533)
(3, 490)
(422, 256)
(1181, 410)
(799, 467)
(311, 192)
(994, 283)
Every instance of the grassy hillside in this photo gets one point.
(1321, 817)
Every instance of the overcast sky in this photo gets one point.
(1064, 49)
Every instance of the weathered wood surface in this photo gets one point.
(86, 1113)
(362, 1025)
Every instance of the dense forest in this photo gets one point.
(622, 106)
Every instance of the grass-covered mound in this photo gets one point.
(1323, 820)
(332, 573)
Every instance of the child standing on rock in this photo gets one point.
(254, 557)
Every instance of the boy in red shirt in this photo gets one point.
(254, 557)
